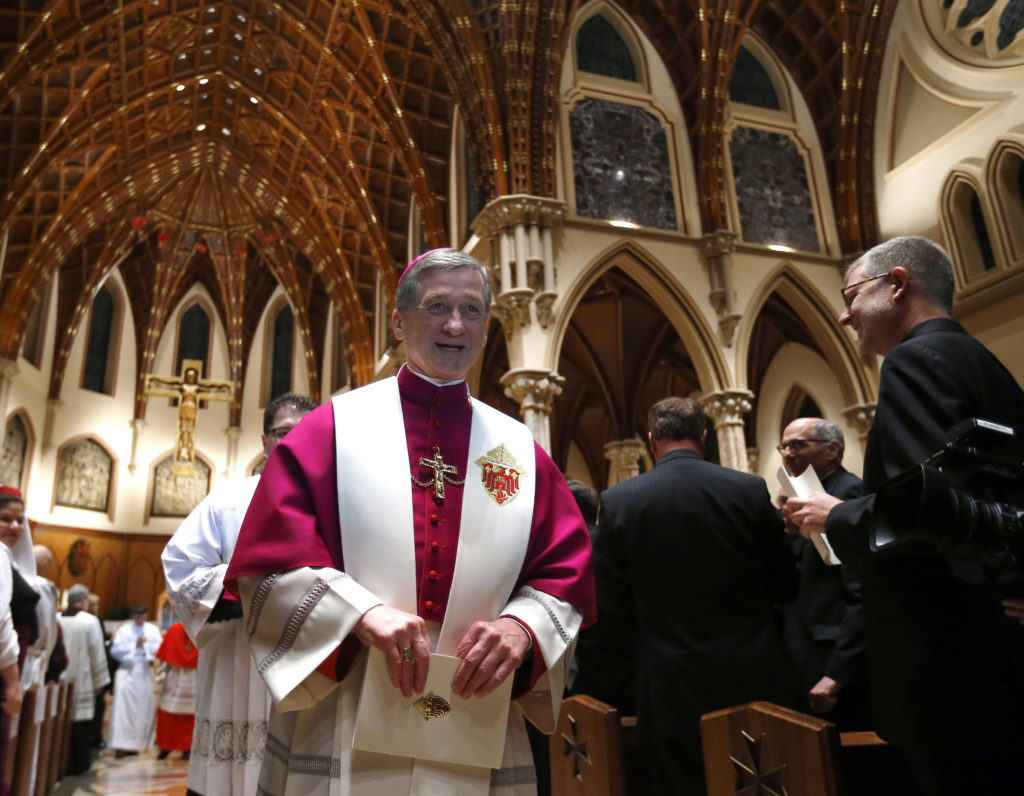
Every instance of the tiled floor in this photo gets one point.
(139, 775)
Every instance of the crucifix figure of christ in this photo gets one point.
(189, 389)
(442, 472)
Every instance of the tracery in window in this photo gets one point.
(751, 84)
(194, 338)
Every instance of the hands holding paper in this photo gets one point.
(393, 631)
(490, 651)
(809, 513)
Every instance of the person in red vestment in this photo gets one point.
(176, 710)
(311, 619)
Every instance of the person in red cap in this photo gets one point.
(409, 518)
(176, 709)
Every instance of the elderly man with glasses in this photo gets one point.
(824, 627)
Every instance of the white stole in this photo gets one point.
(376, 514)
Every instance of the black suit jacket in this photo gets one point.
(946, 665)
(689, 560)
(824, 626)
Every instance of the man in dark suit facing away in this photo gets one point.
(946, 666)
(824, 626)
(690, 558)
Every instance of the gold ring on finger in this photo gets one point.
(407, 654)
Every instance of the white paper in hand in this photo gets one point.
(471, 732)
(802, 486)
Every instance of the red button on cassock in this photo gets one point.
(437, 424)
(433, 519)
(433, 574)
(429, 605)
(435, 546)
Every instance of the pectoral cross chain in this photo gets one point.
(442, 472)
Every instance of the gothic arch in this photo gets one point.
(665, 291)
(857, 383)
(21, 413)
(1004, 178)
(973, 255)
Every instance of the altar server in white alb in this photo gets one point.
(409, 518)
(134, 712)
(232, 700)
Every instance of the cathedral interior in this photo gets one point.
(665, 193)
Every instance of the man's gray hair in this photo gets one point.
(411, 284)
(925, 260)
(677, 418)
(77, 594)
(828, 431)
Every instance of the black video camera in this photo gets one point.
(964, 502)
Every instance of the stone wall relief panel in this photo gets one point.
(176, 495)
(14, 454)
(85, 475)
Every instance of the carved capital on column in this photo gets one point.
(533, 389)
(624, 456)
(8, 369)
(719, 242)
(727, 328)
(512, 308)
(508, 211)
(727, 407)
(860, 416)
(545, 302)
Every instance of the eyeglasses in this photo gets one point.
(797, 445)
(848, 299)
(280, 432)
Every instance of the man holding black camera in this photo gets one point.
(946, 665)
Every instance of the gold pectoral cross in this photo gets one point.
(442, 473)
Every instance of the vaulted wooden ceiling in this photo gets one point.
(246, 143)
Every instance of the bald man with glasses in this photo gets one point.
(824, 627)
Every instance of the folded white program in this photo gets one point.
(801, 486)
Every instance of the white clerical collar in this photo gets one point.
(436, 382)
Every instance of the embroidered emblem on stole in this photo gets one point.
(500, 474)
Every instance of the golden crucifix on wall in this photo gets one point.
(189, 389)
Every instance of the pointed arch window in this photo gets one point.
(280, 354)
(35, 331)
(988, 255)
(194, 338)
(101, 346)
(601, 50)
(751, 84)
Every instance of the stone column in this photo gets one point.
(624, 457)
(232, 433)
(726, 408)
(717, 248)
(860, 417)
(8, 372)
(137, 425)
(52, 405)
(520, 228)
(534, 391)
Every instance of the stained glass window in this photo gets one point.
(621, 164)
(601, 50)
(97, 352)
(281, 353)
(750, 83)
(193, 338)
(772, 190)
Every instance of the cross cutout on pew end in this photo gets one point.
(750, 780)
(577, 748)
